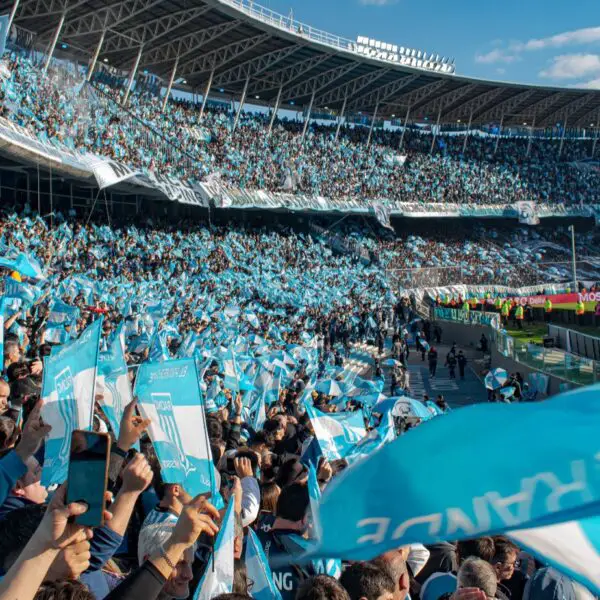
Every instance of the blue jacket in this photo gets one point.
(11, 469)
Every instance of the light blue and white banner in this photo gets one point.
(259, 572)
(169, 395)
(474, 491)
(68, 393)
(113, 388)
(218, 575)
(24, 292)
(337, 433)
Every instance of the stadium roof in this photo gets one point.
(240, 42)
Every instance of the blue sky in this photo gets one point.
(547, 42)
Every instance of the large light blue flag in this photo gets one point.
(476, 491)
(113, 385)
(158, 347)
(218, 575)
(337, 433)
(62, 313)
(259, 572)
(331, 567)
(2, 333)
(68, 393)
(15, 289)
(169, 395)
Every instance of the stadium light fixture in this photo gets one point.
(257, 97)
(64, 46)
(292, 103)
(591, 124)
(106, 60)
(524, 122)
(221, 90)
(393, 116)
(458, 120)
(184, 81)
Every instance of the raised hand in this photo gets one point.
(132, 427)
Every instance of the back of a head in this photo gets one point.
(293, 502)
(322, 587)
(549, 584)
(482, 547)
(478, 573)
(366, 580)
(63, 590)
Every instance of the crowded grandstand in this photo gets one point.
(270, 297)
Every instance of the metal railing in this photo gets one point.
(289, 24)
(558, 363)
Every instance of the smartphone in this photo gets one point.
(88, 475)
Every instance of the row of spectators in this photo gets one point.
(178, 142)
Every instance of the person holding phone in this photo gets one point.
(56, 532)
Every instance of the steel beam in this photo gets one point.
(307, 121)
(275, 109)
(501, 109)
(131, 37)
(221, 56)
(288, 75)
(447, 98)
(471, 106)
(52, 46)
(95, 57)
(241, 106)
(254, 66)
(340, 119)
(187, 45)
(372, 124)
(170, 86)
(132, 75)
(350, 89)
(205, 96)
(317, 83)
(383, 93)
(107, 16)
(568, 110)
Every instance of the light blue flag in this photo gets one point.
(56, 335)
(337, 433)
(259, 572)
(15, 289)
(158, 347)
(218, 575)
(62, 313)
(230, 371)
(169, 395)
(68, 393)
(113, 385)
(383, 434)
(3, 32)
(28, 266)
(476, 492)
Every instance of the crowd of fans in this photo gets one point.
(271, 296)
(211, 286)
(177, 141)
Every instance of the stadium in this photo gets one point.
(255, 276)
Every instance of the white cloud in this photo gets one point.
(594, 84)
(377, 2)
(572, 66)
(495, 56)
(587, 35)
(500, 70)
